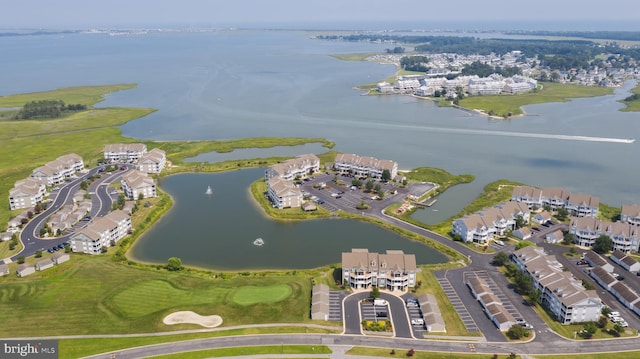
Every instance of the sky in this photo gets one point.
(72, 14)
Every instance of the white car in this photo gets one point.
(417, 321)
(13, 230)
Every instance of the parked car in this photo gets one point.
(417, 321)
(381, 314)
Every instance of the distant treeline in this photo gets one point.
(604, 35)
(47, 109)
(560, 54)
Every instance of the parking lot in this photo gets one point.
(335, 304)
(370, 311)
(458, 305)
(415, 316)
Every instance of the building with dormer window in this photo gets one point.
(394, 270)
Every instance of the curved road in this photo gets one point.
(101, 202)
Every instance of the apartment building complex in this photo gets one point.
(578, 204)
(26, 193)
(482, 226)
(394, 270)
(301, 166)
(55, 172)
(625, 237)
(152, 161)
(283, 193)
(364, 166)
(562, 293)
(630, 213)
(135, 184)
(101, 233)
(124, 152)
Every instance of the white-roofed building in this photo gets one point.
(26, 193)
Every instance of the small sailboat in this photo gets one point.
(258, 242)
(209, 190)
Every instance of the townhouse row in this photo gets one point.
(561, 293)
(585, 230)
(28, 192)
(394, 270)
(26, 269)
(482, 226)
(364, 166)
(602, 274)
(578, 204)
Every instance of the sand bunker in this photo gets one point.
(188, 317)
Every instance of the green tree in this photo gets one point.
(568, 238)
(535, 296)
(386, 176)
(589, 330)
(375, 292)
(500, 259)
(603, 244)
(562, 214)
(140, 196)
(520, 222)
(356, 182)
(369, 186)
(522, 282)
(174, 264)
(38, 253)
(20, 259)
(517, 331)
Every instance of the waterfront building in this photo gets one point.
(562, 293)
(528, 195)
(26, 193)
(283, 194)
(136, 183)
(630, 214)
(586, 230)
(101, 233)
(482, 226)
(364, 166)
(124, 152)
(394, 270)
(582, 205)
(298, 167)
(152, 161)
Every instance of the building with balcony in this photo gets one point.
(562, 293)
(298, 167)
(626, 238)
(124, 152)
(26, 193)
(364, 166)
(136, 184)
(283, 193)
(482, 226)
(102, 233)
(630, 214)
(394, 270)
(152, 161)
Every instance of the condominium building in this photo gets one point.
(480, 227)
(283, 194)
(136, 183)
(586, 230)
(364, 166)
(578, 204)
(630, 214)
(563, 294)
(101, 233)
(124, 152)
(26, 193)
(55, 172)
(152, 161)
(394, 270)
(301, 166)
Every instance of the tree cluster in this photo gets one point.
(395, 50)
(415, 63)
(485, 70)
(47, 109)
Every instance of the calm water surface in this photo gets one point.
(235, 84)
(217, 231)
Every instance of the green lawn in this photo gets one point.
(249, 295)
(77, 348)
(94, 295)
(502, 105)
(260, 350)
(86, 95)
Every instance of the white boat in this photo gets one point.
(209, 190)
(258, 242)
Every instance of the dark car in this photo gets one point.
(381, 314)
